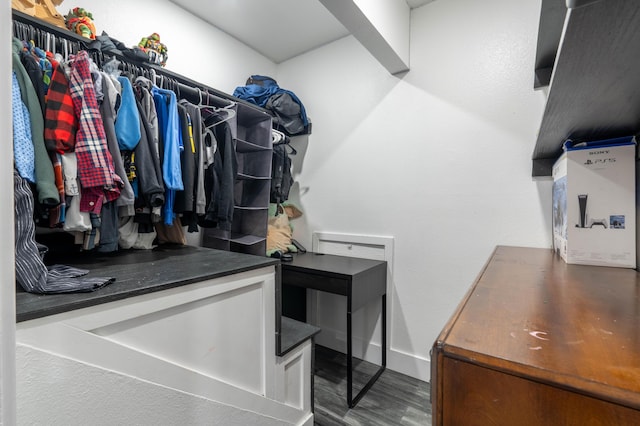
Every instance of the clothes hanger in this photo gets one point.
(24, 32)
(230, 113)
(52, 44)
(39, 37)
(176, 87)
(229, 109)
(32, 32)
(65, 49)
(199, 96)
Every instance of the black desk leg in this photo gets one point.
(351, 402)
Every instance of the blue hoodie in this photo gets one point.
(128, 118)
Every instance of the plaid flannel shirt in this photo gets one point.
(60, 122)
(99, 183)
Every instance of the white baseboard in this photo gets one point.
(402, 362)
(409, 364)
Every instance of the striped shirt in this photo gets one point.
(31, 272)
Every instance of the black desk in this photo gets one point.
(360, 280)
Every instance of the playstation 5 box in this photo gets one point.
(594, 208)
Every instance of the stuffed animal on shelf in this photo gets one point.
(156, 51)
(80, 21)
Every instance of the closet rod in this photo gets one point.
(188, 84)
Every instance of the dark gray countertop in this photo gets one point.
(138, 272)
(294, 333)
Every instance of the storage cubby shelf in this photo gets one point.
(594, 90)
(246, 240)
(246, 147)
(251, 129)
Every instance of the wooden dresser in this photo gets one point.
(538, 342)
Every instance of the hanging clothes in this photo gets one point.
(108, 110)
(196, 137)
(43, 61)
(58, 213)
(75, 220)
(108, 226)
(109, 214)
(151, 190)
(128, 121)
(149, 168)
(185, 199)
(61, 124)
(147, 108)
(95, 165)
(35, 74)
(22, 143)
(182, 177)
(221, 175)
(45, 181)
(171, 147)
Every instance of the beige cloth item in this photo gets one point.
(279, 233)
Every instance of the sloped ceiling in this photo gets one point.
(279, 29)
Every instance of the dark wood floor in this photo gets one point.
(395, 399)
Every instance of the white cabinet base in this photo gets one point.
(203, 353)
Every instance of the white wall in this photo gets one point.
(196, 49)
(440, 159)
(7, 279)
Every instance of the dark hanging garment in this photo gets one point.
(185, 199)
(281, 179)
(192, 201)
(108, 110)
(108, 228)
(35, 75)
(148, 170)
(200, 200)
(220, 178)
